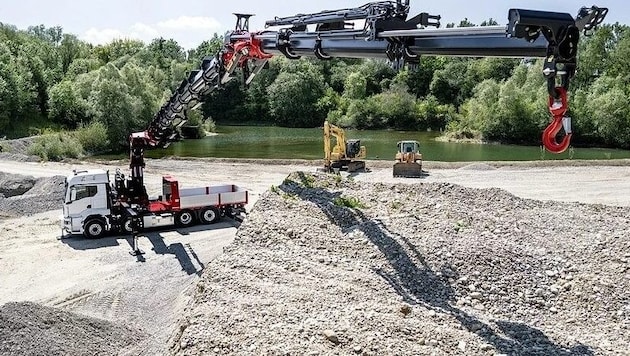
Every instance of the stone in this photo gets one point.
(462, 346)
(331, 336)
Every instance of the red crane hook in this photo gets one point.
(558, 108)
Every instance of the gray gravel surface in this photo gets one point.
(17, 150)
(415, 269)
(25, 195)
(31, 329)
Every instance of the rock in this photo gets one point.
(462, 346)
(405, 309)
(331, 336)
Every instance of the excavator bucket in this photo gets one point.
(354, 166)
(408, 170)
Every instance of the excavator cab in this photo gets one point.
(344, 154)
(408, 160)
(353, 149)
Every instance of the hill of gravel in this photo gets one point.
(17, 150)
(31, 329)
(24, 195)
(325, 265)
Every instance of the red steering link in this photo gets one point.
(558, 108)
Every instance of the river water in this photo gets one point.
(291, 143)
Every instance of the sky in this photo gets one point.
(190, 22)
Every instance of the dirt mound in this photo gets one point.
(12, 185)
(32, 329)
(330, 266)
(23, 195)
(17, 150)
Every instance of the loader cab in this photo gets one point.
(408, 147)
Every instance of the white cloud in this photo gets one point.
(188, 31)
(96, 36)
(141, 29)
(191, 23)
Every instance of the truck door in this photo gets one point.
(81, 199)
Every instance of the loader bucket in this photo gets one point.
(407, 170)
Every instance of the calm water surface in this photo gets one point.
(279, 142)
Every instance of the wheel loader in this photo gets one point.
(408, 160)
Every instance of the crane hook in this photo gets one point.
(558, 108)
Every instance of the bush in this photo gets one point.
(55, 147)
(349, 202)
(93, 137)
(203, 125)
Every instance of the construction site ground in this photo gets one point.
(148, 293)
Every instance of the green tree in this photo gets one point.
(66, 105)
(111, 104)
(293, 99)
(355, 86)
(70, 49)
(207, 48)
(117, 49)
(165, 52)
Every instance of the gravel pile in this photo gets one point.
(32, 329)
(23, 195)
(330, 266)
(17, 150)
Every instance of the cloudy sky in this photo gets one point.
(191, 21)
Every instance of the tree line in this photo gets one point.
(52, 81)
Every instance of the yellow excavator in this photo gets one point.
(345, 154)
(408, 160)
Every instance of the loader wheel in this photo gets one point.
(184, 218)
(94, 229)
(209, 215)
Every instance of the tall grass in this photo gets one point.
(56, 146)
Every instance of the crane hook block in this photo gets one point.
(558, 109)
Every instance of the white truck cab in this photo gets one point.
(87, 194)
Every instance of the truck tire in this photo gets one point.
(184, 218)
(209, 215)
(94, 229)
(127, 226)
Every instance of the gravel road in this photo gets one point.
(100, 279)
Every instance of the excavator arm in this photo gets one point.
(385, 31)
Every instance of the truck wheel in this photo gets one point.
(209, 215)
(184, 218)
(127, 226)
(94, 229)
